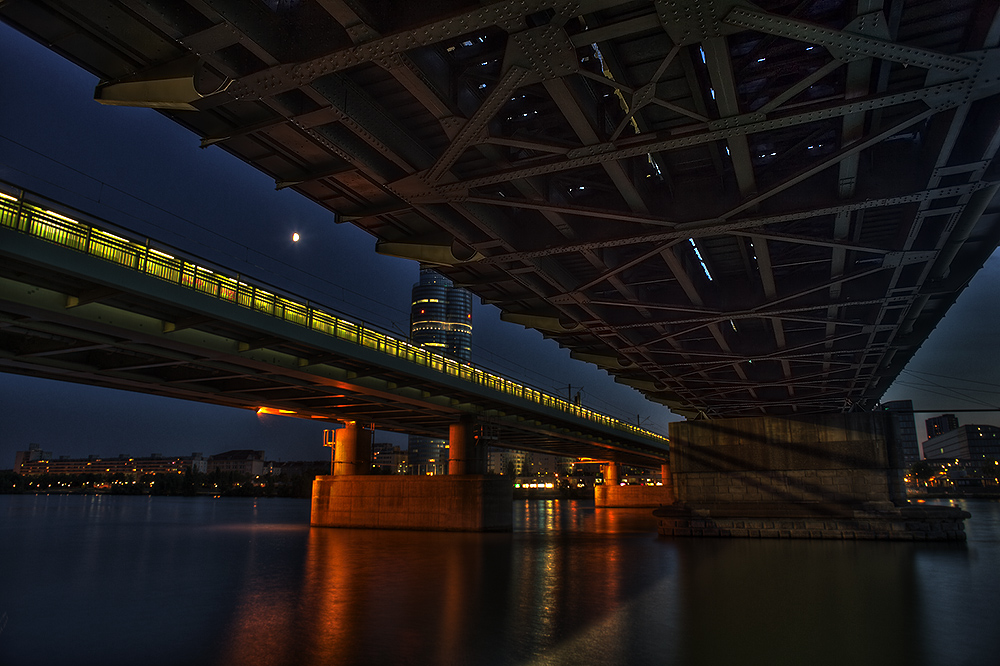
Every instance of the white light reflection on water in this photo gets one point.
(128, 580)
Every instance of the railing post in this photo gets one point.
(20, 211)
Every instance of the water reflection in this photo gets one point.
(553, 516)
(171, 581)
(564, 581)
(797, 602)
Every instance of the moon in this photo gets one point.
(295, 237)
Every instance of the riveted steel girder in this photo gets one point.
(669, 181)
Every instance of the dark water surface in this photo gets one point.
(146, 581)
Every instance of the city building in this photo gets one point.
(506, 461)
(542, 464)
(33, 454)
(966, 443)
(440, 319)
(939, 425)
(426, 455)
(154, 464)
(526, 463)
(388, 458)
(240, 461)
(958, 478)
(903, 428)
(441, 316)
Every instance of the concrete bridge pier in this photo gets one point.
(463, 500)
(825, 476)
(353, 453)
(613, 495)
(666, 477)
(465, 454)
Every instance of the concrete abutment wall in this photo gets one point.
(833, 476)
(844, 459)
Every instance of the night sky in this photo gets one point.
(147, 174)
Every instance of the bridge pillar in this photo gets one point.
(353, 454)
(826, 476)
(465, 454)
(668, 483)
(613, 495)
(462, 500)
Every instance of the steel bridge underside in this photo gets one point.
(735, 208)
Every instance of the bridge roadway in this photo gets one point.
(82, 303)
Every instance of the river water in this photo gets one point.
(108, 580)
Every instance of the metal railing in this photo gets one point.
(16, 212)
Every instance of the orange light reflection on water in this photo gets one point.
(378, 596)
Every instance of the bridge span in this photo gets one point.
(83, 303)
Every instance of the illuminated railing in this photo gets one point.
(18, 213)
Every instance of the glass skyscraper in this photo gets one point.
(440, 319)
(441, 316)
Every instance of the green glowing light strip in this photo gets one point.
(17, 213)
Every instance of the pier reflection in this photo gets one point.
(563, 581)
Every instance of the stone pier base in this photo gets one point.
(472, 503)
(908, 523)
(615, 496)
(832, 476)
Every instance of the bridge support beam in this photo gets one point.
(613, 495)
(465, 454)
(353, 454)
(833, 476)
(667, 479)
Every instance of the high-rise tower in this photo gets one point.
(441, 319)
(441, 316)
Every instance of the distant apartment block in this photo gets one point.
(388, 458)
(968, 442)
(939, 425)
(154, 464)
(506, 461)
(239, 461)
